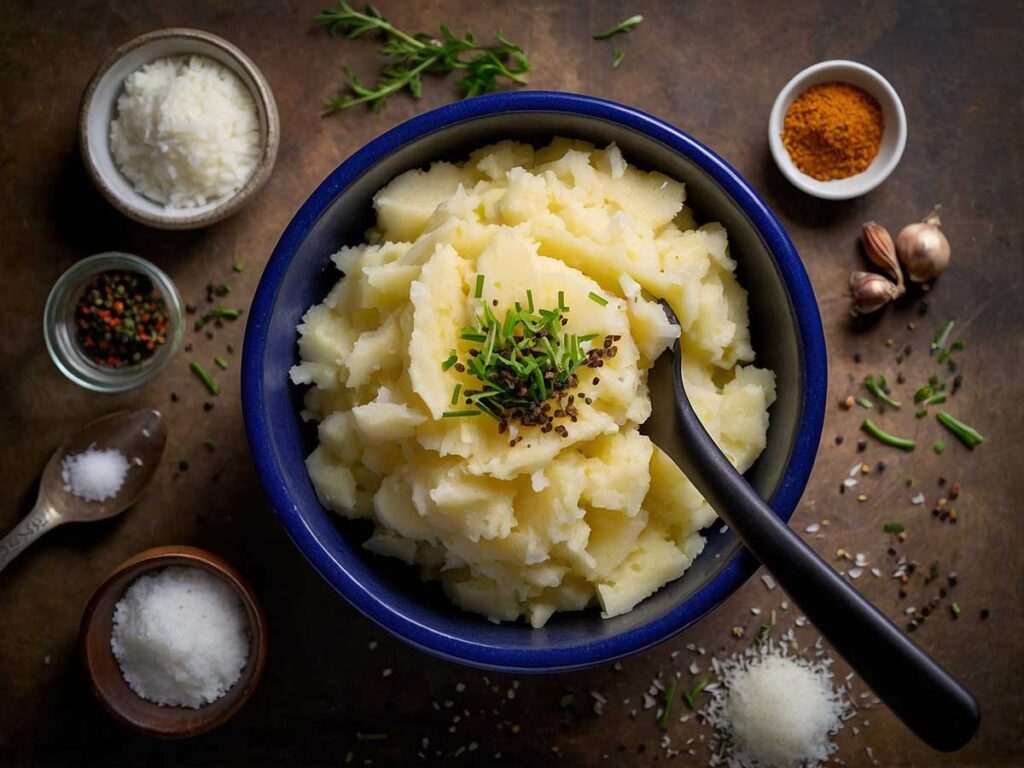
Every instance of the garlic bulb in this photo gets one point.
(881, 252)
(923, 248)
(871, 292)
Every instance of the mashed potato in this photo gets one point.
(544, 521)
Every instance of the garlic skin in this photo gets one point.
(871, 292)
(881, 251)
(923, 248)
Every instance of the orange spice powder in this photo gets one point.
(833, 130)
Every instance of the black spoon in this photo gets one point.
(923, 695)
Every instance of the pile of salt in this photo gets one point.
(95, 474)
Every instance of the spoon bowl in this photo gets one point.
(140, 436)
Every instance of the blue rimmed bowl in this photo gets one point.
(786, 330)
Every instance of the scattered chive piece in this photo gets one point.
(237, 266)
(878, 433)
(205, 378)
(221, 362)
(969, 436)
(691, 696)
(561, 301)
(942, 336)
(621, 28)
(938, 447)
(452, 360)
(666, 711)
(479, 286)
(598, 299)
(223, 289)
(565, 701)
(529, 300)
(617, 57)
(878, 389)
(954, 609)
(958, 346)
(459, 414)
(894, 528)
(920, 414)
(923, 394)
(863, 402)
(455, 394)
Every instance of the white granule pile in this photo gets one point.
(187, 131)
(774, 710)
(94, 474)
(180, 637)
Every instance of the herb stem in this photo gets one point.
(967, 435)
(621, 28)
(666, 712)
(205, 377)
(903, 443)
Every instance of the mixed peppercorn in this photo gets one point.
(121, 319)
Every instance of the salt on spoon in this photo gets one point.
(97, 486)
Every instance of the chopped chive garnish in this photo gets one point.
(863, 402)
(621, 28)
(617, 57)
(942, 336)
(691, 695)
(455, 394)
(938, 446)
(452, 360)
(954, 610)
(472, 337)
(666, 711)
(565, 701)
(598, 299)
(479, 286)
(237, 266)
(459, 414)
(205, 377)
(221, 363)
(893, 528)
(561, 301)
(879, 389)
(878, 433)
(223, 289)
(529, 300)
(969, 436)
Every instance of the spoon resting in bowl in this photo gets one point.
(140, 436)
(923, 695)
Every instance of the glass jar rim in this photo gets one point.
(63, 347)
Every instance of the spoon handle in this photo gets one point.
(41, 519)
(929, 700)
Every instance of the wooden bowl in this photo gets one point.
(166, 722)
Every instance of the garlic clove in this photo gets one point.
(923, 248)
(881, 251)
(871, 292)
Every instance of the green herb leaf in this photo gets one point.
(938, 447)
(954, 610)
(878, 433)
(666, 710)
(621, 28)
(969, 436)
(455, 394)
(617, 57)
(878, 388)
(479, 286)
(893, 528)
(452, 360)
(942, 336)
(221, 363)
(598, 299)
(691, 695)
(863, 402)
(238, 266)
(205, 377)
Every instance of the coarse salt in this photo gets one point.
(94, 474)
(180, 636)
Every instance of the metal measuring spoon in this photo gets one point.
(930, 701)
(139, 435)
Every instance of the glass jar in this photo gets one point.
(60, 329)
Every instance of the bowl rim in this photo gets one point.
(261, 93)
(869, 179)
(730, 577)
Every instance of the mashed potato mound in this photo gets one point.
(553, 523)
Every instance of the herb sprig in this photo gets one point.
(526, 364)
(410, 56)
(627, 25)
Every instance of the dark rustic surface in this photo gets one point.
(711, 68)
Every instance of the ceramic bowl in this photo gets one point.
(99, 107)
(787, 335)
(109, 685)
(894, 137)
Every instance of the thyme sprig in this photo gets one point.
(410, 56)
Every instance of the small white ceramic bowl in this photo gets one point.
(894, 137)
(99, 107)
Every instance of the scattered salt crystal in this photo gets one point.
(386, 672)
(94, 474)
(649, 701)
(855, 573)
(756, 611)
(460, 687)
(876, 573)
(180, 637)
(917, 499)
(850, 483)
(694, 668)
(373, 645)
(812, 528)
(769, 582)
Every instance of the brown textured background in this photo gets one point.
(711, 68)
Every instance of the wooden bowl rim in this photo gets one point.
(154, 559)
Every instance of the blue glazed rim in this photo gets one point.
(715, 591)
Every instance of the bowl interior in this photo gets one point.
(108, 683)
(893, 137)
(101, 109)
(381, 586)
